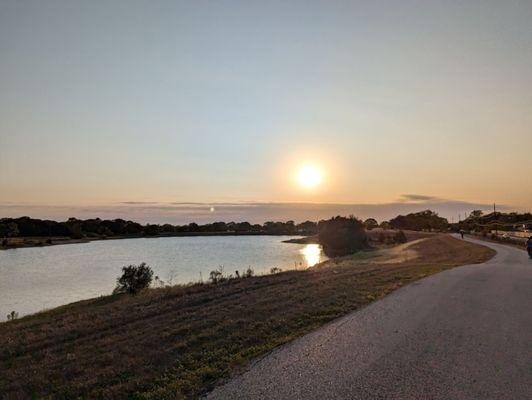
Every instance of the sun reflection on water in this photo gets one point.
(312, 254)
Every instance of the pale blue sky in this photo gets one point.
(212, 101)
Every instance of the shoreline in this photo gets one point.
(313, 239)
(45, 241)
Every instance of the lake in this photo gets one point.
(37, 278)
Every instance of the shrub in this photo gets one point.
(249, 273)
(134, 278)
(400, 237)
(12, 316)
(371, 223)
(340, 236)
(217, 275)
(275, 270)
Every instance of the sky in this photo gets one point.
(133, 108)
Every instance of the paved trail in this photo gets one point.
(465, 333)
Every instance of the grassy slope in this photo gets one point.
(178, 342)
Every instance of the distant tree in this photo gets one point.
(134, 278)
(340, 236)
(8, 229)
(424, 220)
(307, 228)
(400, 237)
(219, 227)
(132, 228)
(240, 227)
(167, 228)
(385, 225)
(371, 223)
(74, 228)
(151, 230)
(476, 214)
(193, 227)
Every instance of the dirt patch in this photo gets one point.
(403, 253)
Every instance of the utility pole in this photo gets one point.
(495, 216)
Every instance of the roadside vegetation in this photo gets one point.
(479, 222)
(494, 225)
(180, 341)
(508, 228)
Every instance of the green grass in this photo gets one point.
(179, 342)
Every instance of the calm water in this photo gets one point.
(33, 279)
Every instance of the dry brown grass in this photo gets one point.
(180, 341)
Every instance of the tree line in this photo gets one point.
(480, 222)
(96, 227)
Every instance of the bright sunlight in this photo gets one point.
(309, 176)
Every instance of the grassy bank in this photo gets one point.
(178, 342)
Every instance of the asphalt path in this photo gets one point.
(465, 333)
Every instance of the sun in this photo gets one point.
(309, 176)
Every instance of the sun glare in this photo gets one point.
(309, 176)
(312, 254)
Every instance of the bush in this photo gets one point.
(249, 273)
(217, 275)
(134, 278)
(400, 237)
(340, 236)
(371, 223)
(12, 316)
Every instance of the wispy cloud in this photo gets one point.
(417, 197)
(138, 202)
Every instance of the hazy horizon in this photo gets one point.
(221, 102)
(254, 212)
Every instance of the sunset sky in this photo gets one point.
(122, 108)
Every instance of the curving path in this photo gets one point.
(465, 333)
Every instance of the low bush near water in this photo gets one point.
(134, 278)
(340, 236)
